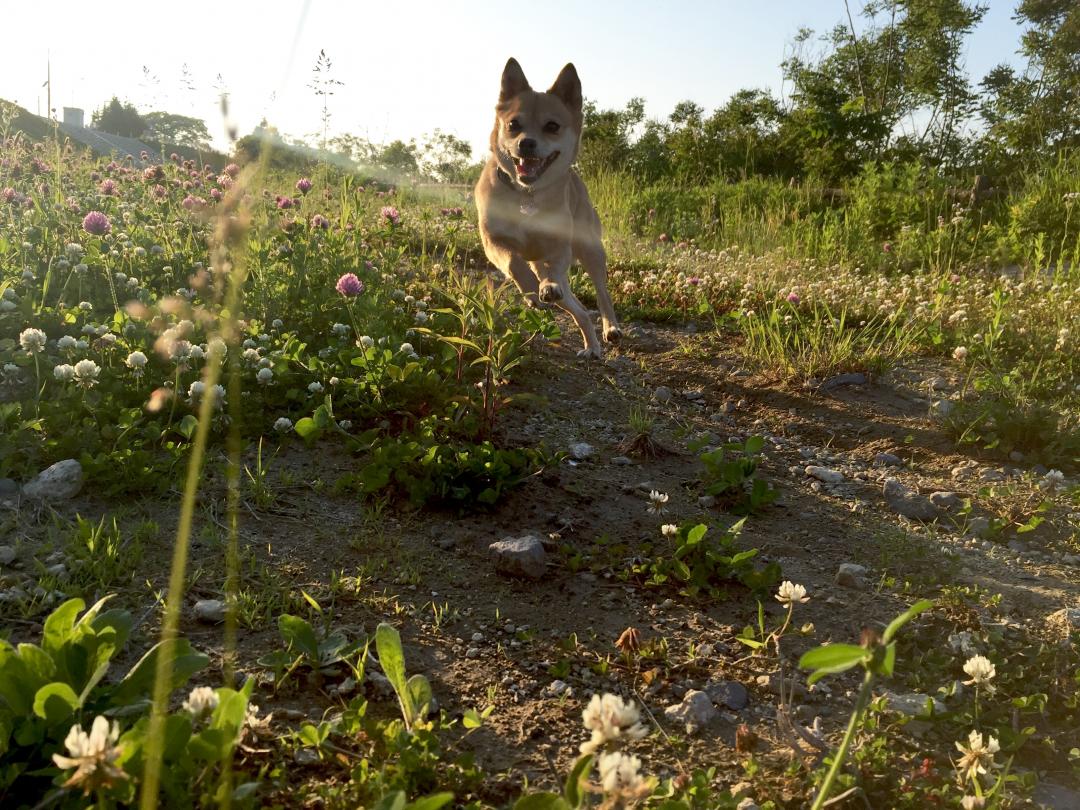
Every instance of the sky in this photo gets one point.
(409, 67)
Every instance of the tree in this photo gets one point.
(446, 157)
(119, 119)
(181, 130)
(398, 157)
(1038, 110)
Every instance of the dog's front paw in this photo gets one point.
(591, 353)
(613, 334)
(550, 293)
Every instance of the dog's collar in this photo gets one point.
(527, 207)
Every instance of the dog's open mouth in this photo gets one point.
(529, 169)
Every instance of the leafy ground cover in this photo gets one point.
(309, 393)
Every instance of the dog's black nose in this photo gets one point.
(526, 146)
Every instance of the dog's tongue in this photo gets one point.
(527, 167)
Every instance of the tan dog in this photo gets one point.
(535, 212)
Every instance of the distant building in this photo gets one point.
(104, 143)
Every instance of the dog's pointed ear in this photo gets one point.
(513, 80)
(568, 87)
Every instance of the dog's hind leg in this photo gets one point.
(594, 260)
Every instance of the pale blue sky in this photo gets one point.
(409, 67)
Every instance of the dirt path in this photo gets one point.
(534, 648)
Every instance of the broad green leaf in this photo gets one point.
(471, 719)
(186, 426)
(306, 428)
(694, 536)
(575, 783)
(391, 801)
(56, 702)
(904, 618)
(542, 801)
(392, 661)
(420, 694)
(299, 636)
(59, 625)
(432, 802)
(832, 658)
(139, 681)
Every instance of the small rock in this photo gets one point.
(58, 482)
(1055, 797)
(581, 451)
(305, 756)
(991, 476)
(824, 474)
(728, 693)
(942, 408)
(210, 611)
(888, 460)
(621, 461)
(1016, 456)
(907, 503)
(948, 501)
(692, 395)
(706, 501)
(59, 570)
(747, 804)
(557, 688)
(7, 555)
(912, 704)
(978, 526)
(380, 685)
(472, 652)
(774, 684)
(938, 384)
(851, 575)
(8, 488)
(695, 711)
(520, 556)
(740, 789)
(662, 394)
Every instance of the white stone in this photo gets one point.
(824, 474)
(210, 611)
(520, 556)
(58, 482)
(695, 712)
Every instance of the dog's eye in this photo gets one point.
(551, 126)
(514, 125)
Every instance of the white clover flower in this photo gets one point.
(340, 329)
(264, 337)
(365, 341)
(196, 352)
(121, 277)
(1052, 481)
(33, 340)
(610, 718)
(315, 387)
(86, 306)
(250, 356)
(283, 424)
(277, 323)
(978, 757)
(64, 372)
(334, 380)
(980, 669)
(345, 424)
(66, 343)
(195, 390)
(86, 373)
(92, 755)
(669, 529)
(249, 343)
(620, 773)
(81, 345)
(790, 593)
(960, 353)
(264, 376)
(407, 348)
(201, 702)
(657, 500)
(108, 338)
(133, 282)
(217, 346)
(89, 329)
(421, 317)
